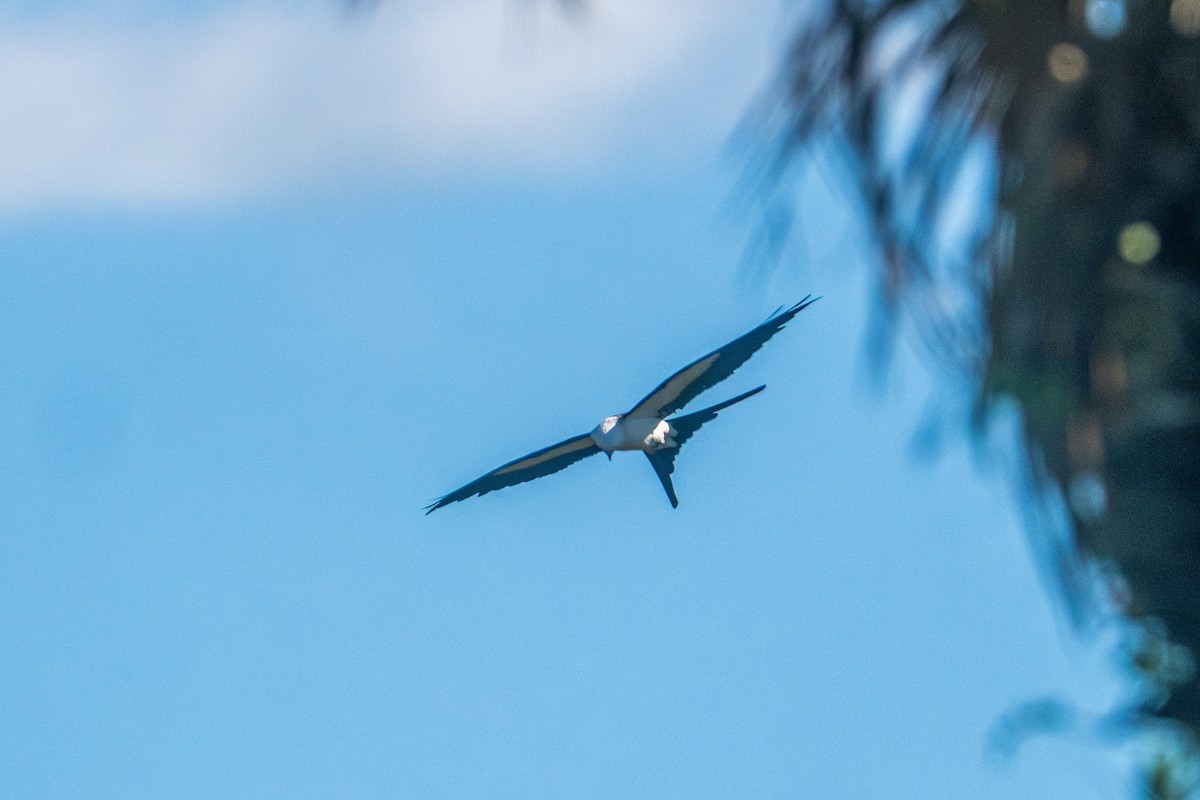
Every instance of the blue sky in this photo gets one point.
(257, 315)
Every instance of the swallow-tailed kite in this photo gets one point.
(645, 427)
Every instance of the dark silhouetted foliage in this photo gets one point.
(1074, 293)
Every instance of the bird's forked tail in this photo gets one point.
(663, 460)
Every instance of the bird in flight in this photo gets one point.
(645, 427)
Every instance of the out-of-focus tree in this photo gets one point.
(1030, 170)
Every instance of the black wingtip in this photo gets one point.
(803, 304)
(783, 316)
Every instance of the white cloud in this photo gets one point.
(241, 102)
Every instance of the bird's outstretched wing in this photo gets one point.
(707, 371)
(544, 462)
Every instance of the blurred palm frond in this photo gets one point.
(1030, 172)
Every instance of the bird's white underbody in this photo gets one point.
(623, 432)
